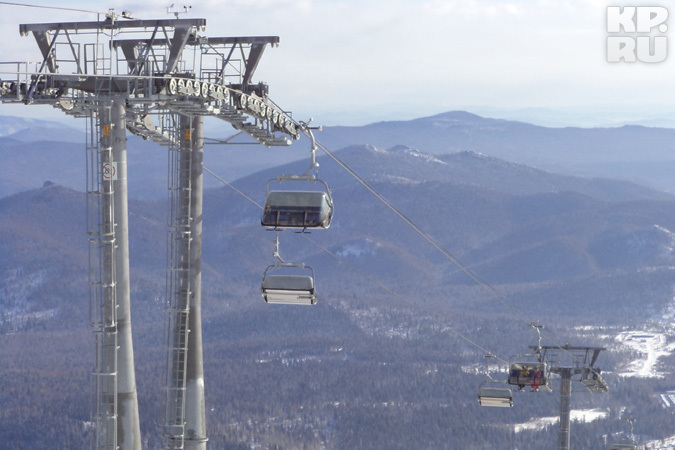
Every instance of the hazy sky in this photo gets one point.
(359, 61)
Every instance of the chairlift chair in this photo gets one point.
(288, 288)
(624, 444)
(297, 209)
(532, 363)
(495, 393)
(593, 381)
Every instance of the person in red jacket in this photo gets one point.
(536, 379)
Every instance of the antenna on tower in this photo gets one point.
(177, 13)
(112, 16)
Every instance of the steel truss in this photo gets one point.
(568, 362)
(156, 79)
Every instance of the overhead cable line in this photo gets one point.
(51, 7)
(445, 252)
(402, 299)
(367, 277)
(485, 285)
(233, 188)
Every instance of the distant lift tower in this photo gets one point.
(570, 362)
(156, 79)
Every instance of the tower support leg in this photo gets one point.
(565, 402)
(192, 135)
(128, 428)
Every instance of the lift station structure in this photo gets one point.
(156, 79)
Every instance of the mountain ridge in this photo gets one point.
(579, 256)
(631, 153)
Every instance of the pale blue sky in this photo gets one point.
(359, 61)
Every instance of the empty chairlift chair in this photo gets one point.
(297, 209)
(495, 393)
(593, 381)
(288, 288)
(624, 444)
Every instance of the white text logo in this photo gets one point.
(636, 33)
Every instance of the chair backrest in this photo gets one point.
(297, 209)
(495, 393)
(289, 289)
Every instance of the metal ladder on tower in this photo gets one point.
(178, 287)
(102, 280)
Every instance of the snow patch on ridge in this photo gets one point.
(651, 346)
(581, 415)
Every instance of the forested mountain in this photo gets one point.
(630, 152)
(35, 151)
(589, 258)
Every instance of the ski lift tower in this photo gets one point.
(570, 362)
(156, 79)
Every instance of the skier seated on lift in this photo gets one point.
(536, 380)
(524, 373)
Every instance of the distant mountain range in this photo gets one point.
(641, 154)
(21, 128)
(35, 152)
(351, 371)
(545, 239)
(542, 235)
(538, 234)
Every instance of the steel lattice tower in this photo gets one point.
(156, 79)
